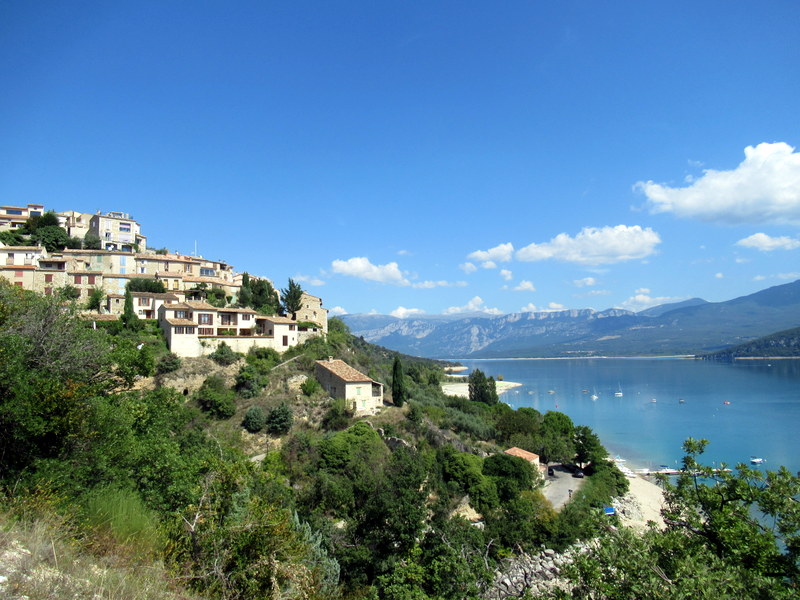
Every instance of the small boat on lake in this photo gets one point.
(755, 460)
(726, 402)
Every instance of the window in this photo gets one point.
(48, 291)
(291, 327)
(181, 314)
(184, 330)
(18, 273)
(144, 301)
(126, 227)
(227, 319)
(13, 211)
(123, 261)
(205, 319)
(206, 330)
(206, 272)
(286, 340)
(18, 283)
(91, 279)
(78, 279)
(35, 213)
(48, 278)
(246, 317)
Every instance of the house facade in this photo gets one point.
(196, 328)
(118, 231)
(530, 457)
(14, 217)
(340, 380)
(311, 310)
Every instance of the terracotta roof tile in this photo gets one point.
(342, 370)
(519, 452)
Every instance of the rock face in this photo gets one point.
(193, 373)
(525, 573)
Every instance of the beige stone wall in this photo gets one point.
(312, 310)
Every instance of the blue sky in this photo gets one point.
(435, 157)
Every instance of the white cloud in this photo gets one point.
(585, 282)
(525, 286)
(428, 285)
(719, 275)
(642, 301)
(555, 306)
(506, 274)
(766, 243)
(599, 293)
(468, 268)
(310, 280)
(794, 275)
(595, 246)
(741, 260)
(642, 291)
(403, 253)
(530, 307)
(489, 258)
(337, 310)
(362, 268)
(764, 188)
(401, 312)
(759, 278)
(474, 305)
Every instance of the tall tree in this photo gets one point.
(245, 298)
(129, 318)
(399, 391)
(292, 298)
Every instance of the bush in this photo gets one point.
(250, 381)
(279, 420)
(216, 399)
(224, 356)
(310, 386)
(254, 419)
(168, 363)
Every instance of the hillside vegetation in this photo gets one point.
(781, 344)
(130, 473)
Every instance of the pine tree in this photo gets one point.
(292, 299)
(399, 392)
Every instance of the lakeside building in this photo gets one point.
(194, 328)
(362, 394)
(14, 217)
(532, 458)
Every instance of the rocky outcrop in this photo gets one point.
(530, 573)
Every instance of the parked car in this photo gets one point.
(551, 472)
(579, 474)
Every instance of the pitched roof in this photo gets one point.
(278, 319)
(182, 322)
(519, 452)
(343, 371)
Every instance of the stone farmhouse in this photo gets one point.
(340, 380)
(198, 328)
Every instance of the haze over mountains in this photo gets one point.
(689, 327)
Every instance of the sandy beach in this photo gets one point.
(641, 504)
(462, 389)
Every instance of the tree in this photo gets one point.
(254, 419)
(245, 298)
(279, 419)
(399, 392)
(95, 299)
(292, 299)
(69, 292)
(588, 448)
(729, 534)
(129, 318)
(482, 389)
(52, 237)
(153, 286)
(215, 398)
(36, 222)
(92, 241)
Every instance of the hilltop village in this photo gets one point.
(119, 254)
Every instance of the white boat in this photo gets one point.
(594, 395)
(755, 460)
(618, 394)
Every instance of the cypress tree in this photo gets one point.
(399, 392)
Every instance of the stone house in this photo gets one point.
(340, 380)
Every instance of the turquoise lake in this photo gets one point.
(762, 418)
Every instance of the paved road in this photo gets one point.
(556, 488)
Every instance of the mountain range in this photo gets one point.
(690, 327)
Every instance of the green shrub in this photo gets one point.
(224, 356)
(254, 419)
(250, 381)
(216, 399)
(279, 419)
(168, 363)
(310, 386)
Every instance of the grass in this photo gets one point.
(44, 559)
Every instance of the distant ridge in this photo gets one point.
(690, 327)
(781, 344)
